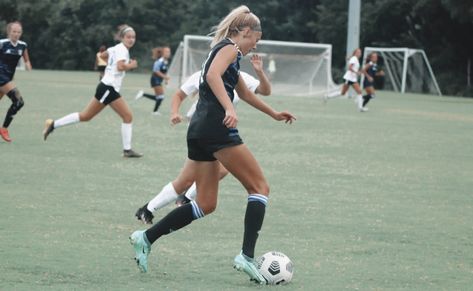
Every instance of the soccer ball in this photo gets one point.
(275, 267)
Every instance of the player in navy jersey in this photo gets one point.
(184, 183)
(12, 49)
(212, 137)
(107, 92)
(159, 77)
(371, 72)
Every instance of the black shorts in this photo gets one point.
(106, 94)
(101, 68)
(202, 150)
(367, 83)
(156, 82)
(349, 82)
(4, 79)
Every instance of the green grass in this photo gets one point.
(374, 201)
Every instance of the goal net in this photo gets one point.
(405, 69)
(294, 68)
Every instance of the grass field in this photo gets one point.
(359, 201)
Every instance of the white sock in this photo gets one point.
(67, 120)
(359, 99)
(126, 135)
(191, 192)
(166, 196)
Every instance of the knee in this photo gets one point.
(127, 118)
(208, 206)
(16, 98)
(84, 117)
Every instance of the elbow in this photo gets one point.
(265, 91)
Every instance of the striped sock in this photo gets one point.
(176, 219)
(254, 217)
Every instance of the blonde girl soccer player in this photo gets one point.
(212, 137)
(12, 49)
(107, 92)
(185, 181)
(351, 77)
(159, 77)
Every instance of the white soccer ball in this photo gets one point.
(275, 267)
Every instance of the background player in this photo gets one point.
(100, 62)
(371, 71)
(351, 77)
(107, 92)
(11, 50)
(161, 56)
(184, 182)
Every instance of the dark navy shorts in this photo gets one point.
(5, 78)
(202, 150)
(106, 94)
(156, 82)
(367, 83)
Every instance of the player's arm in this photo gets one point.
(250, 98)
(176, 103)
(264, 87)
(123, 66)
(364, 71)
(26, 59)
(220, 63)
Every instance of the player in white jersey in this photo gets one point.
(107, 92)
(351, 78)
(184, 182)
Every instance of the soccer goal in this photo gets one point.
(294, 68)
(406, 70)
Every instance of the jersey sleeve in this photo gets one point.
(122, 53)
(157, 65)
(191, 85)
(353, 60)
(251, 82)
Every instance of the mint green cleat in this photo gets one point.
(247, 265)
(142, 249)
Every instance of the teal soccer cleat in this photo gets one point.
(247, 265)
(142, 249)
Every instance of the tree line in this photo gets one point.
(65, 34)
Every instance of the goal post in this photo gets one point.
(294, 68)
(406, 70)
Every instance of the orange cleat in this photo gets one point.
(4, 134)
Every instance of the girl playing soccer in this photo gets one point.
(371, 71)
(351, 77)
(11, 50)
(212, 137)
(107, 92)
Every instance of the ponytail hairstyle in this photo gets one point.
(353, 53)
(10, 24)
(121, 31)
(234, 22)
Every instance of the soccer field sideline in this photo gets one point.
(372, 201)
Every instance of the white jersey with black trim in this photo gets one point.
(351, 75)
(113, 77)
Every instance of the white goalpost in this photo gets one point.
(294, 68)
(406, 70)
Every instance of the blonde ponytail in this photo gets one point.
(234, 22)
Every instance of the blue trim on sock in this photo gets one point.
(196, 210)
(259, 198)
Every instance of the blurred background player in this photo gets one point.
(107, 92)
(161, 56)
(213, 137)
(371, 72)
(351, 78)
(100, 63)
(11, 51)
(184, 182)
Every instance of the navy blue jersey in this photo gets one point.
(372, 70)
(161, 65)
(207, 121)
(10, 55)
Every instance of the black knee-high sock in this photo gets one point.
(149, 96)
(254, 217)
(158, 103)
(176, 219)
(366, 99)
(17, 104)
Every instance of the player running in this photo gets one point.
(12, 49)
(107, 92)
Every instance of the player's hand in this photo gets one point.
(370, 78)
(284, 115)
(133, 64)
(175, 118)
(257, 62)
(231, 119)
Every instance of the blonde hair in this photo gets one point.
(234, 22)
(10, 24)
(121, 31)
